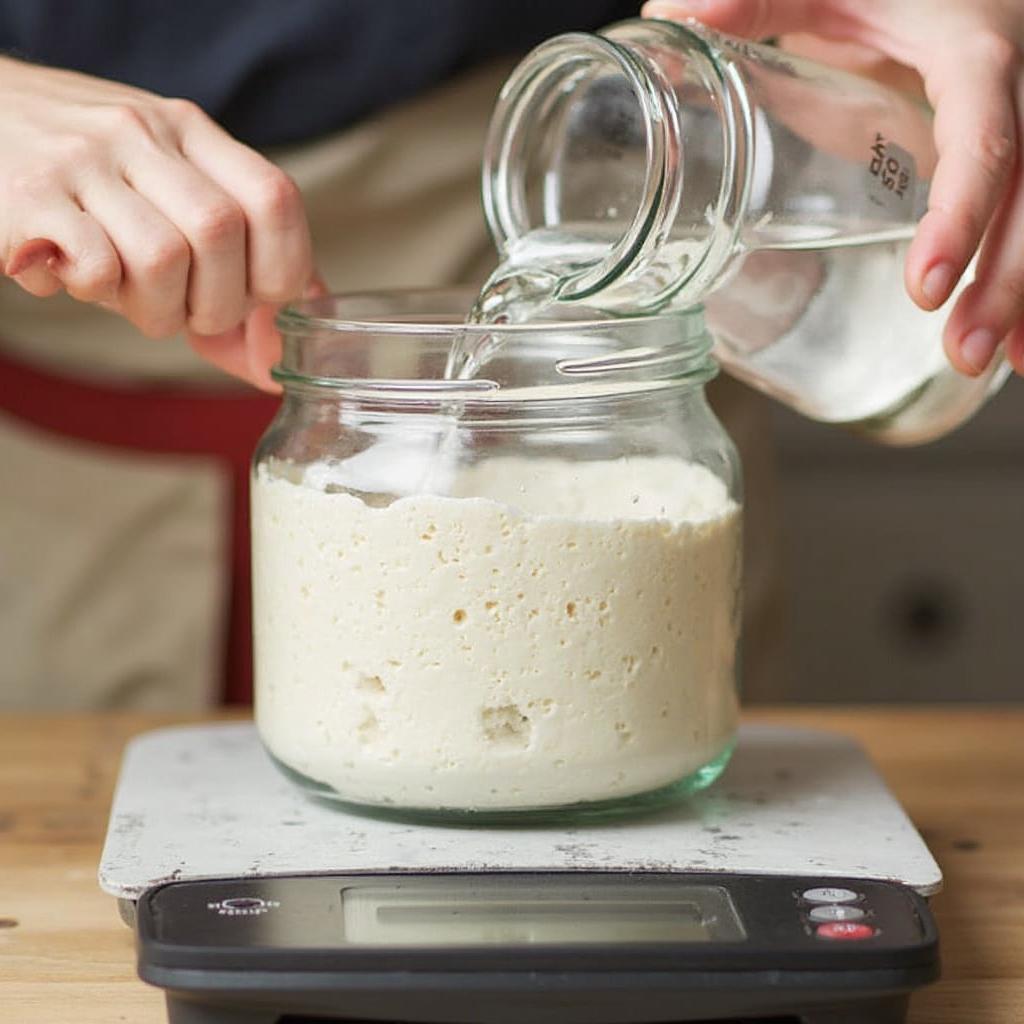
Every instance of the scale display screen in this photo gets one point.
(445, 911)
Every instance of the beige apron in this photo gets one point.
(112, 574)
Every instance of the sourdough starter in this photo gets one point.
(566, 633)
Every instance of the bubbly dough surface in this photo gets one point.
(546, 633)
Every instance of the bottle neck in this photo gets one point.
(636, 141)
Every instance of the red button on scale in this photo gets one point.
(847, 931)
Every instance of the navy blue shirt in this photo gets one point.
(276, 71)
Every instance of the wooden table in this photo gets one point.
(65, 957)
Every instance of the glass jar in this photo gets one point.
(656, 165)
(516, 595)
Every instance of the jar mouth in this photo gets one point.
(394, 345)
(429, 310)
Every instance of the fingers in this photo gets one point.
(991, 308)
(149, 209)
(316, 287)
(240, 218)
(280, 260)
(754, 19)
(34, 251)
(154, 255)
(977, 94)
(213, 227)
(976, 137)
(252, 349)
(262, 346)
(993, 304)
(1015, 349)
(29, 266)
(247, 351)
(68, 249)
(225, 350)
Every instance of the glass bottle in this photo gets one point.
(654, 166)
(508, 597)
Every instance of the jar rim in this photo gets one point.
(604, 369)
(309, 315)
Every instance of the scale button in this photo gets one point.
(243, 903)
(834, 912)
(830, 895)
(845, 931)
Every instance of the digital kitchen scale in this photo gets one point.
(791, 892)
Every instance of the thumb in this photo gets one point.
(753, 19)
(247, 351)
(251, 349)
(262, 346)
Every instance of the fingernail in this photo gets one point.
(316, 289)
(674, 6)
(938, 283)
(1015, 353)
(28, 253)
(977, 348)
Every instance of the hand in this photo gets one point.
(145, 206)
(968, 53)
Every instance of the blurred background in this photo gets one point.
(901, 570)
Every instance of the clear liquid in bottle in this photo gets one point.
(814, 317)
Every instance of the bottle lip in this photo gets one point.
(619, 47)
(415, 328)
(545, 68)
